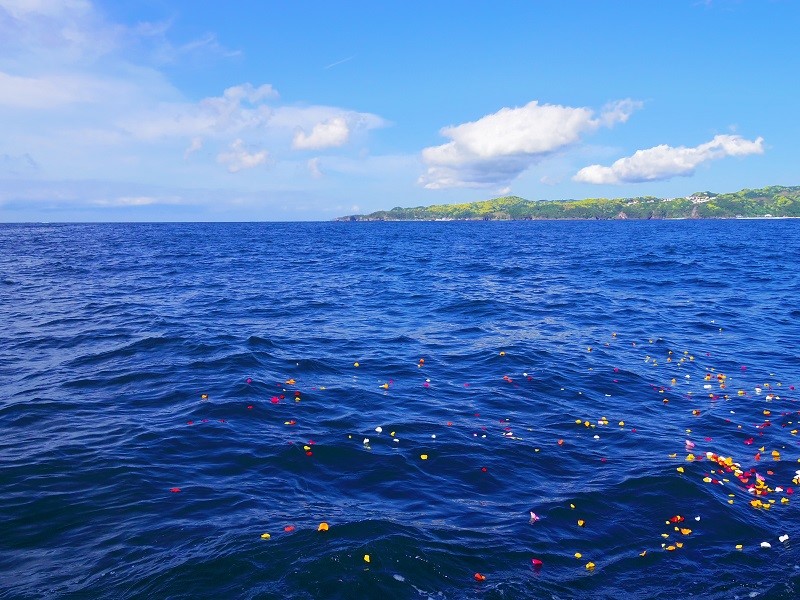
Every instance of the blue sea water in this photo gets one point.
(171, 392)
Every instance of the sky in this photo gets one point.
(298, 110)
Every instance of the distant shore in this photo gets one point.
(774, 202)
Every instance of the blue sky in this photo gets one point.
(166, 110)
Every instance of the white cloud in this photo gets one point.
(495, 149)
(240, 108)
(250, 113)
(69, 193)
(20, 9)
(619, 111)
(202, 48)
(63, 31)
(240, 158)
(54, 31)
(195, 145)
(248, 92)
(49, 91)
(664, 162)
(293, 118)
(331, 133)
(313, 168)
(126, 201)
(330, 127)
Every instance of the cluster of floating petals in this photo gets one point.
(736, 478)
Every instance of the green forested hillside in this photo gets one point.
(773, 201)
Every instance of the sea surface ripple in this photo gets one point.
(171, 392)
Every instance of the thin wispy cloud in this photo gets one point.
(17, 165)
(194, 146)
(339, 62)
(314, 168)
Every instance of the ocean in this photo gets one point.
(400, 410)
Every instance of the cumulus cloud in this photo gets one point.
(664, 162)
(239, 157)
(331, 133)
(496, 148)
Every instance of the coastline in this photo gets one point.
(541, 219)
(770, 202)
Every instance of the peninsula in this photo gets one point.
(772, 201)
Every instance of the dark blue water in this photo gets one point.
(169, 393)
